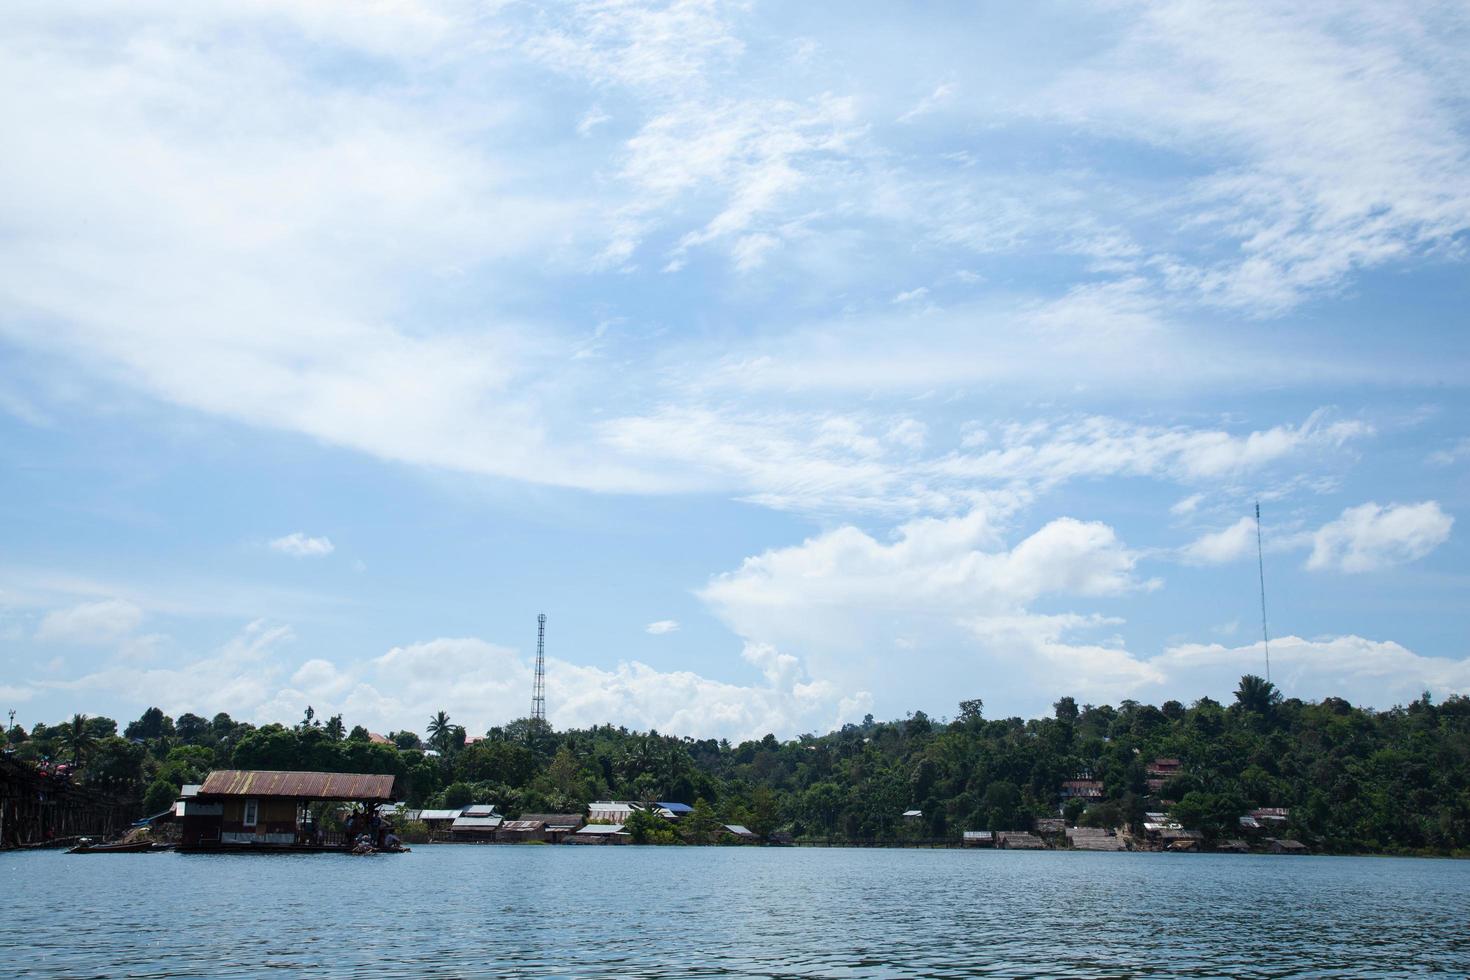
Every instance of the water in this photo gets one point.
(731, 912)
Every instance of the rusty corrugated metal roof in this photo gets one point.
(299, 785)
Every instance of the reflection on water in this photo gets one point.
(657, 912)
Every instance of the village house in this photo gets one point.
(266, 810)
(1081, 789)
(1159, 772)
(1286, 846)
(600, 833)
(556, 826)
(1019, 840)
(610, 811)
(1094, 839)
(978, 838)
(740, 833)
(439, 821)
(1179, 839)
(476, 824)
(512, 831)
(673, 811)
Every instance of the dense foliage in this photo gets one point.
(1354, 779)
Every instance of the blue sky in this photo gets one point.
(799, 361)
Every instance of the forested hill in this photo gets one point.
(1354, 780)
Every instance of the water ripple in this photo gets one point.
(630, 912)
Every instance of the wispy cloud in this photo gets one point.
(662, 626)
(92, 623)
(299, 545)
(942, 94)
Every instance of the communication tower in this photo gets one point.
(538, 694)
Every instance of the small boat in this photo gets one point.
(130, 847)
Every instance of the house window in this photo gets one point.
(252, 810)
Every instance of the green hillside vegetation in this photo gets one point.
(1355, 780)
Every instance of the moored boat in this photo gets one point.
(121, 847)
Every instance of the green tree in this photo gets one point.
(1257, 694)
(406, 740)
(646, 827)
(160, 796)
(79, 739)
(191, 728)
(457, 795)
(972, 711)
(700, 825)
(153, 724)
(440, 732)
(1065, 710)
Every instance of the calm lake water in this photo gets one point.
(451, 911)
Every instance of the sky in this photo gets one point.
(799, 361)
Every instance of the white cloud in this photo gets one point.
(662, 626)
(1218, 547)
(941, 95)
(298, 545)
(942, 606)
(1454, 454)
(1187, 505)
(1364, 671)
(238, 677)
(481, 684)
(1371, 537)
(590, 120)
(91, 623)
(16, 694)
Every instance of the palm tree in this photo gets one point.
(79, 739)
(440, 731)
(1257, 694)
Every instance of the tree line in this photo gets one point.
(1355, 780)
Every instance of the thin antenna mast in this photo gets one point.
(538, 693)
(1261, 567)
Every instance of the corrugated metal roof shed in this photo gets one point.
(555, 820)
(438, 814)
(476, 823)
(601, 828)
(609, 806)
(299, 785)
(979, 835)
(189, 789)
(677, 807)
(523, 826)
(479, 810)
(738, 830)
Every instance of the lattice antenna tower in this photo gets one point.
(1261, 567)
(538, 693)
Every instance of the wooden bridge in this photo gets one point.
(39, 808)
